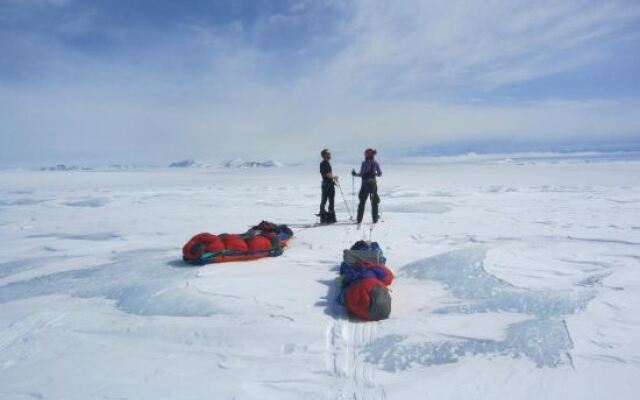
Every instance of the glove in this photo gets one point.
(353, 172)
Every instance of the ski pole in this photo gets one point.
(345, 201)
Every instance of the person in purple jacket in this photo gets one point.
(369, 170)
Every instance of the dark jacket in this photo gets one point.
(325, 169)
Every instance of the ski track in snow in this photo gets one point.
(345, 360)
(345, 341)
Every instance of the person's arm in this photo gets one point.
(378, 170)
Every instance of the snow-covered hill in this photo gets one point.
(64, 167)
(240, 163)
(107, 167)
(231, 164)
(513, 281)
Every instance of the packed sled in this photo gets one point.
(364, 279)
(263, 240)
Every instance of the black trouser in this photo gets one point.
(328, 193)
(369, 188)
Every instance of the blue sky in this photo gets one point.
(156, 80)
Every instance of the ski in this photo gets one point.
(318, 224)
(339, 223)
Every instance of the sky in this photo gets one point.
(153, 81)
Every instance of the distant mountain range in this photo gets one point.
(240, 163)
(237, 163)
(65, 167)
(188, 163)
(233, 164)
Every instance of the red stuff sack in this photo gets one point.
(201, 243)
(235, 242)
(368, 299)
(259, 243)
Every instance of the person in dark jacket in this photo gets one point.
(328, 189)
(369, 170)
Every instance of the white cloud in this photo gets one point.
(212, 92)
(404, 45)
(133, 125)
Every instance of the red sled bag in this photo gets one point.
(264, 240)
(200, 244)
(368, 299)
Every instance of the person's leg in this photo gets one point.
(323, 202)
(331, 215)
(331, 193)
(362, 196)
(375, 200)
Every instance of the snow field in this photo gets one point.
(512, 281)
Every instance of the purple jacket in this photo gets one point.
(370, 169)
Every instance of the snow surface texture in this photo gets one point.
(544, 339)
(513, 281)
